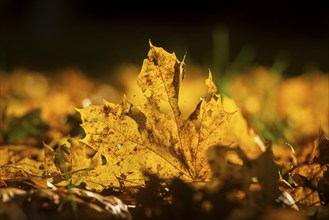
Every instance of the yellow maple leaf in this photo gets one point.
(154, 137)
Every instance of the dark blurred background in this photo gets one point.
(97, 36)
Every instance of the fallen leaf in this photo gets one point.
(30, 166)
(306, 196)
(309, 174)
(21, 170)
(239, 132)
(321, 152)
(154, 137)
(51, 172)
(312, 177)
(4, 156)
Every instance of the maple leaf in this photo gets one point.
(154, 137)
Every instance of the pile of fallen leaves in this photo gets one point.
(73, 147)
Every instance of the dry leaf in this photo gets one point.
(239, 133)
(4, 156)
(21, 170)
(153, 137)
(321, 151)
(312, 177)
(191, 88)
(51, 171)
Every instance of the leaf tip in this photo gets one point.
(212, 89)
(78, 109)
(209, 75)
(150, 43)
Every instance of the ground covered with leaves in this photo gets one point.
(173, 147)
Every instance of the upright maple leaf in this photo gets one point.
(154, 137)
